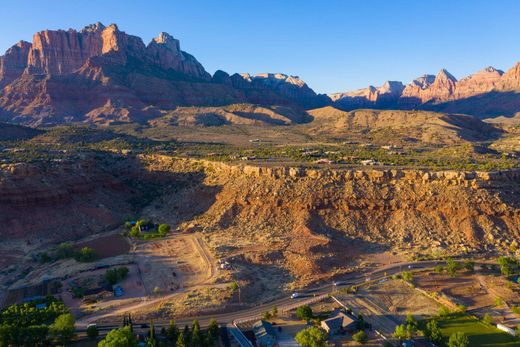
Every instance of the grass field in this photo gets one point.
(480, 334)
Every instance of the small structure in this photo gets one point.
(507, 329)
(265, 334)
(118, 291)
(339, 322)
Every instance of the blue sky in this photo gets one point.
(332, 45)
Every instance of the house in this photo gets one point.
(265, 335)
(338, 322)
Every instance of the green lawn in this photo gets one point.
(480, 334)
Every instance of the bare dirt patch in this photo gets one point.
(107, 246)
(400, 299)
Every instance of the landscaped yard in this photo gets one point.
(480, 334)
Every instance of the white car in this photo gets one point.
(295, 295)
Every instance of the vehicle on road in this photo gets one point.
(295, 295)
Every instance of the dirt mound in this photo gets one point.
(430, 127)
(247, 114)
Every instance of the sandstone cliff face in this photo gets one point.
(315, 221)
(63, 203)
(14, 62)
(102, 74)
(488, 92)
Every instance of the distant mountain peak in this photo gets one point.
(445, 75)
(98, 26)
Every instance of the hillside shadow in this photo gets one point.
(485, 105)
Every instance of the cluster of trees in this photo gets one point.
(113, 276)
(431, 331)
(408, 330)
(153, 231)
(170, 336)
(65, 251)
(29, 325)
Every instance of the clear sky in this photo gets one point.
(334, 45)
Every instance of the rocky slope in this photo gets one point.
(63, 202)
(102, 74)
(312, 223)
(423, 126)
(487, 93)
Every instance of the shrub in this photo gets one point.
(452, 267)
(487, 319)
(112, 276)
(407, 276)
(163, 229)
(360, 337)
(508, 266)
(304, 312)
(86, 254)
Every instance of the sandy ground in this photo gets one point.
(166, 270)
(175, 262)
(478, 292)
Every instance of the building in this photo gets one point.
(265, 335)
(339, 322)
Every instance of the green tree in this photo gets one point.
(311, 337)
(112, 276)
(402, 332)
(304, 312)
(63, 328)
(212, 336)
(433, 332)
(443, 311)
(172, 332)
(407, 276)
(233, 286)
(266, 315)
(181, 341)
(134, 232)
(508, 266)
(439, 268)
(64, 250)
(196, 338)
(86, 254)
(452, 267)
(360, 337)
(122, 337)
(275, 311)
(411, 321)
(92, 332)
(469, 265)
(458, 339)
(163, 229)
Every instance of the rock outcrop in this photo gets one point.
(102, 74)
(487, 93)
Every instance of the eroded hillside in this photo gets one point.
(314, 223)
